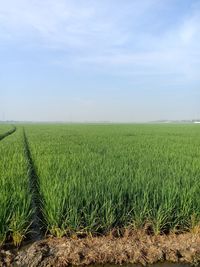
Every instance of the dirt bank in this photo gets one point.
(135, 247)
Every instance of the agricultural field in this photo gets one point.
(91, 179)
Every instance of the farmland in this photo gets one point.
(92, 179)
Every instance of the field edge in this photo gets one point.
(135, 248)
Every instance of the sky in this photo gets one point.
(99, 60)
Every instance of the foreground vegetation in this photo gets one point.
(15, 209)
(96, 178)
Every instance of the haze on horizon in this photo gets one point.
(91, 60)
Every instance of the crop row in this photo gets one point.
(15, 197)
(6, 130)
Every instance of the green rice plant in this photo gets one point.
(95, 178)
(15, 197)
(6, 130)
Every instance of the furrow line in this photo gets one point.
(37, 227)
(2, 136)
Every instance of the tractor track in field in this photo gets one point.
(37, 226)
(4, 135)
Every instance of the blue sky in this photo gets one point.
(99, 60)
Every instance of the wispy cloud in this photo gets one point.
(110, 33)
(101, 23)
(175, 50)
(57, 23)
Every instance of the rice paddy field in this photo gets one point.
(91, 179)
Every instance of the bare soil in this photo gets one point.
(133, 247)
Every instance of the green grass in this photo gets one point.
(93, 178)
(15, 209)
(5, 130)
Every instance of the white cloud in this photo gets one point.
(175, 51)
(106, 33)
(66, 22)
(57, 23)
